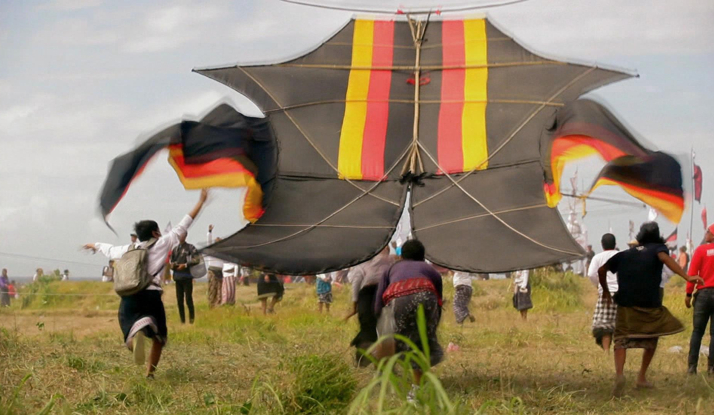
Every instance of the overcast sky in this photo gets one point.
(82, 81)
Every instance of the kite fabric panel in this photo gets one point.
(224, 149)
(583, 128)
(655, 179)
(455, 109)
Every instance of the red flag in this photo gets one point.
(697, 183)
(704, 216)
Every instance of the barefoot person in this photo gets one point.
(522, 293)
(641, 318)
(462, 296)
(323, 288)
(143, 314)
(408, 285)
(270, 286)
(703, 266)
(215, 274)
(365, 279)
(605, 311)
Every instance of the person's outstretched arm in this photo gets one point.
(201, 200)
(674, 266)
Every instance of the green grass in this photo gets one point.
(63, 354)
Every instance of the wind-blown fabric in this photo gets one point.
(655, 179)
(224, 149)
(584, 128)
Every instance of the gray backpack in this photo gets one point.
(130, 271)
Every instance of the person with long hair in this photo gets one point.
(405, 287)
(641, 318)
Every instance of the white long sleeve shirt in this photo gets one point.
(521, 280)
(212, 261)
(158, 253)
(462, 278)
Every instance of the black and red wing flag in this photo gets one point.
(224, 149)
(671, 240)
(697, 182)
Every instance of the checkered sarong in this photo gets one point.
(605, 315)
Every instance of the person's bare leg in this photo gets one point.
(327, 307)
(606, 342)
(154, 357)
(273, 301)
(524, 315)
(646, 360)
(264, 305)
(417, 377)
(319, 307)
(620, 358)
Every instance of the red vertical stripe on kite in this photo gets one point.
(449, 147)
(375, 129)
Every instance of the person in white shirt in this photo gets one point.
(605, 314)
(215, 274)
(65, 275)
(228, 291)
(522, 293)
(143, 314)
(462, 296)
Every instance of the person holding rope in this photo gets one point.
(143, 313)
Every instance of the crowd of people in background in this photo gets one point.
(389, 290)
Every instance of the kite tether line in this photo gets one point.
(437, 10)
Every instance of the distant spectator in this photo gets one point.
(108, 272)
(4, 289)
(683, 258)
(323, 287)
(65, 275)
(12, 290)
(522, 293)
(39, 273)
(183, 257)
(215, 274)
(462, 296)
(270, 286)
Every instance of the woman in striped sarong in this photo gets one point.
(228, 288)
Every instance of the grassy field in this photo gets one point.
(64, 354)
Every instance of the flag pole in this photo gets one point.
(691, 201)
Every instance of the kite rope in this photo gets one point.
(455, 183)
(414, 68)
(438, 10)
(480, 216)
(513, 134)
(304, 134)
(310, 227)
(286, 225)
(410, 101)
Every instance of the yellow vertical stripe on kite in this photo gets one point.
(349, 162)
(473, 121)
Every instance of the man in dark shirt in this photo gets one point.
(641, 318)
(183, 257)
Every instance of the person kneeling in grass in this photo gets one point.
(641, 319)
(143, 313)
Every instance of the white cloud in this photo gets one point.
(69, 5)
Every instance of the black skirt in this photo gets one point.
(273, 288)
(143, 311)
(367, 319)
